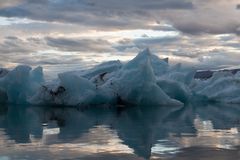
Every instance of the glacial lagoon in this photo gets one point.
(143, 109)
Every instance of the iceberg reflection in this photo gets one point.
(133, 133)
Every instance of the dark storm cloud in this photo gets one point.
(144, 42)
(79, 45)
(165, 4)
(14, 45)
(14, 12)
(218, 59)
(188, 54)
(202, 28)
(104, 13)
(47, 59)
(238, 6)
(193, 17)
(234, 45)
(28, 51)
(154, 41)
(164, 27)
(33, 9)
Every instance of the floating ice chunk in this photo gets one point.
(221, 87)
(18, 84)
(14, 84)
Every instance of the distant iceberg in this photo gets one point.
(145, 80)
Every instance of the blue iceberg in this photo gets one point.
(145, 80)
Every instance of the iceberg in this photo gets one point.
(223, 87)
(145, 80)
(20, 84)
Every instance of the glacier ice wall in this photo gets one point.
(145, 80)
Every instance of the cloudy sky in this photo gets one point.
(203, 33)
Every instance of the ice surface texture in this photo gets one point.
(145, 80)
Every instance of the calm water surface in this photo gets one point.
(190, 132)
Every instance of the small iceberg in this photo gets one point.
(20, 84)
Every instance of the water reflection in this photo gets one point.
(132, 133)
